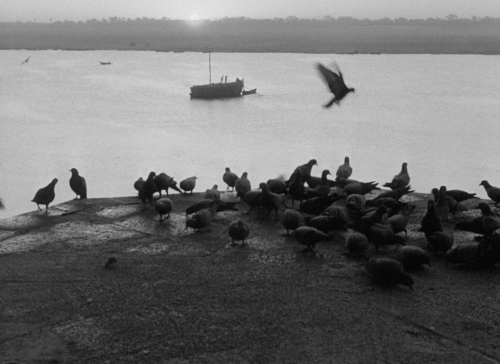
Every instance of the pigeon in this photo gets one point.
(78, 184)
(203, 204)
(356, 243)
(110, 263)
(138, 184)
(25, 61)
(395, 194)
(309, 236)
(338, 215)
(325, 223)
(344, 171)
(460, 195)
(213, 193)
(163, 182)
(229, 178)
(163, 206)
(466, 253)
(45, 196)
(296, 188)
(442, 207)
(492, 192)
(316, 205)
(360, 188)
(474, 225)
(269, 200)
(188, 184)
(387, 271)
(252, 199)
(439, 241)
(380, 234)
(489, 251)
(292, 219)
(277, 185)
(242, 185)
(399, 221)
(453, 205)
(305, 169)
(431, 222)
(335, 82)
(201, 219)
(323, 189)
(412, 257)
(378, 216)
(402, 179)
(238, 231)
(148, 189)
(491, 221)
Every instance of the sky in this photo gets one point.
(74, 10)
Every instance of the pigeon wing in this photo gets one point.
(333, 80)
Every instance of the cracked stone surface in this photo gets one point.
(180, 296)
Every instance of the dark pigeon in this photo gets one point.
(45, 196)
(78, 184)
(335, 82)
(229, 178)
(238, 231)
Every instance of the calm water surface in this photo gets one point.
(439, 113)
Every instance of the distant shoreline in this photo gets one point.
(250, 52)
(242, 36)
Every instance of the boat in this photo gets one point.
(249, 92)
(217, 90)
(105, 63)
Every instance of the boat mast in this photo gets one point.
(209, 70)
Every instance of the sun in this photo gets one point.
(194, 17)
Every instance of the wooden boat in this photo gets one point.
(105, 63)
(216, 90)
(249, 92)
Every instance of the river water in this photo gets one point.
(116, 123)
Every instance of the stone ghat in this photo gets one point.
(180, 296)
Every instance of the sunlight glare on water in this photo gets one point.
(117, 123)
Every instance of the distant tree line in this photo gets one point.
(240, 34)
(450, 19)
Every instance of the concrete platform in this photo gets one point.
(179, 296)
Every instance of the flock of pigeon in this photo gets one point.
(325, 206)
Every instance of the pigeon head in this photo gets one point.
(312, 162)
(54, 181)
(227, 169)
(74, 171)
(484, 183)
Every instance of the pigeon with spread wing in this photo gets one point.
(335, 82)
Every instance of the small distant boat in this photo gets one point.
(105, 63)
(249, 92)
(216, 90)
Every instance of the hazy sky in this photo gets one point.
(44, 10)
